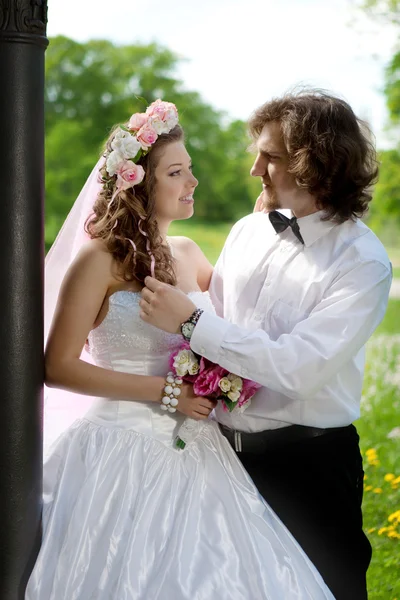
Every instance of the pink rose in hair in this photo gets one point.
(164, 112)
(129, 175)
(137, 121)
(156, 109)
(146, 136)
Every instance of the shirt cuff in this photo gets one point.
(208, 336)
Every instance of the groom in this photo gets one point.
(297, 298)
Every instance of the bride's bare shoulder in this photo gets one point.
(189, 252)
(95, 257)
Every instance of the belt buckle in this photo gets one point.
(238, 441)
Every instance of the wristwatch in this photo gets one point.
(188, 326)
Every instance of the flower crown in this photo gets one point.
(135, 140)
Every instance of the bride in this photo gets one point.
(126, 514)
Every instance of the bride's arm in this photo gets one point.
(82, 294)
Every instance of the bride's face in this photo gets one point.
(175, 184)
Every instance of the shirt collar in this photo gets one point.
(311, 227)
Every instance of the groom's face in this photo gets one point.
(271, 165)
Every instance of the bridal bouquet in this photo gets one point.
(209, 380)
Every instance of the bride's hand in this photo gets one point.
(259, 205)
(196, 407)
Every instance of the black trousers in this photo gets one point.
(315, 486)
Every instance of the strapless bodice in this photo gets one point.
(124, 342)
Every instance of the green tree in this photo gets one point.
(386, 203)
(92, 86)
(384, 215)
(386, 10)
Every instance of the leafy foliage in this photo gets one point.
(386, 10)
(92, 86)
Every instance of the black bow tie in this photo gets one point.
(280, 223)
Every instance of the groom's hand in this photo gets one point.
(164, 306)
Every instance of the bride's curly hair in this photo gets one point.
(119, 223)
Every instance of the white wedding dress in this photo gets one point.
(129, 517)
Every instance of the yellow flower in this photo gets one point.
(370, 451)
(371, 530)
(378, 491)
(396, 481)
(389, 477)
(394, 516)
(382, 530)
(394, 535)
(367, 488)
(365, 476)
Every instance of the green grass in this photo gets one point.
(210, 237)
(391, 321)
(380, 415)
(394, 255)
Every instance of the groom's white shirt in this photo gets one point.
(296, 318)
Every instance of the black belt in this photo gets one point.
(260, 441)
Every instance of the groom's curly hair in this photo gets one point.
(331, 152)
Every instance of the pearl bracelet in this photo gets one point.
(171, 391)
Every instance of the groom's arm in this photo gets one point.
(217, 285)
(299, 364)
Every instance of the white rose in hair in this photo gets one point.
(171, 119)
(159, 125)
(125, 144)
(114, 162)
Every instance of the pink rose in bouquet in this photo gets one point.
(207, 381)
(248, 391)
(210, 380)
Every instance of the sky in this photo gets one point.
(239, 53)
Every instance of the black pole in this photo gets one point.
(22, 47)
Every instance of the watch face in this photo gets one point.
(187, 329)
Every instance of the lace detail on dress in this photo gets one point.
(123, 331)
